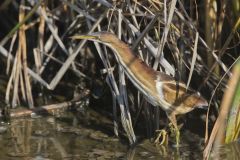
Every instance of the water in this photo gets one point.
(56, 138)
(69, 137)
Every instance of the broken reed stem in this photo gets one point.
(49, 109)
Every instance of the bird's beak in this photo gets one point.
(88, 37)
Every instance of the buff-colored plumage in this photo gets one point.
(159, 88)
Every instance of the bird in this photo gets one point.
(159, 88)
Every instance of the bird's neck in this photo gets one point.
(141, 75)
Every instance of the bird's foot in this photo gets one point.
(162, 137)
(175, 132)
(177, 137)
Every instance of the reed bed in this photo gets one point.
(194, 42)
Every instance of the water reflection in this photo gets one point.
(20, 138)
(46, 138)
(228, 151)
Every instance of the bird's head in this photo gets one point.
(106, 38)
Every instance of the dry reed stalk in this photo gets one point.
(218, 133)
(23, 48)
(38, 54)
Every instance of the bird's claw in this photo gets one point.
(163, 135)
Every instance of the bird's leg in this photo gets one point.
(172, 118)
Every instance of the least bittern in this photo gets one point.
(159, 88)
